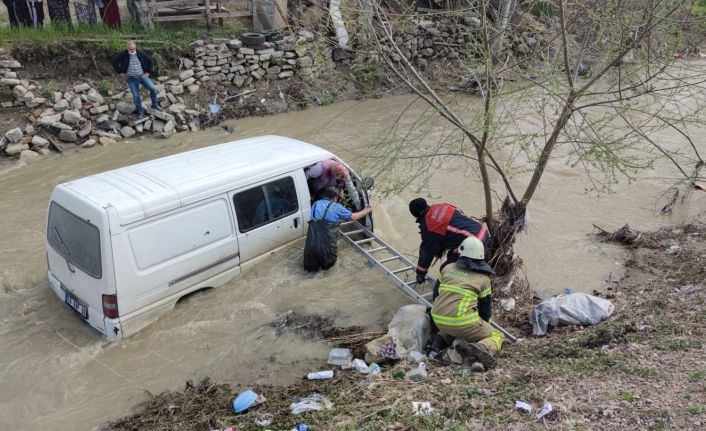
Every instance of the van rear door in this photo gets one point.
(78, 253)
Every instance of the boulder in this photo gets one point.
(28, 155)
(71, 117)
(39, 142)
(193, 89)
(56, 96)
(61, 106)
(10, 81)
(169, 127)
(19, 91)
(235, 43)
(157, 126)
(161, 135)
(61, 126)
(186, 74)
(94, 97)
(76, 103)
(285, 74)
(81, 88)
(13, 135)
(10, 64)
(89, 143)
(10, 74)
(339, 54)
(104, 140)
(50, 119)
(99, 109)
(127, 132)
(43, 151)
(188, 81)
(15, 149)
(177, 108)
(161, 115)
(177, 89)
(126, 108)
(29, 129)
(67, 136)
(187, 63)
(306, 34)
(85, 130)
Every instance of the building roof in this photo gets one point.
(160, 185)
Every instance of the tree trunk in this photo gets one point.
(496, 42)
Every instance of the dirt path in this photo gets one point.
(645, 368)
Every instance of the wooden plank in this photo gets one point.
(208, 15)
(178, 18)
(168, 3)
(230, 14)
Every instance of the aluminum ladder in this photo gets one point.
(395, 266)
(392, 263)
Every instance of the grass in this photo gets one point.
(110, 37)
(697, 375)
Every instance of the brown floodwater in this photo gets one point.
(56, 373)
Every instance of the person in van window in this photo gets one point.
(331, 173)
(136, 66)
(321, 249)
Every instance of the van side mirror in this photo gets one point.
(368, 183)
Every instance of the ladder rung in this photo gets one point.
(375, 249)
(363, 241)
(402, 269)
(353, 232)
(388, 259)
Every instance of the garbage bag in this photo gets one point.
(569, 309)
(408, 331)
(311, 403)
(320, 249)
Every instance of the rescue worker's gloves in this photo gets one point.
(421, 276)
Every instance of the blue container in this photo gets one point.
(244, 401)
(301, 427)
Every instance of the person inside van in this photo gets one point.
(331, 173)
(321, 248)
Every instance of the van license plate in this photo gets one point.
(76, 305)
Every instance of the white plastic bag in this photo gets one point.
(569, 309)
(409, 331)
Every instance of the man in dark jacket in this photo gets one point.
(443, 227)
(136, 66)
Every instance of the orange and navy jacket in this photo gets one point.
(443, 227)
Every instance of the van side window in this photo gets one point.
(265, 203)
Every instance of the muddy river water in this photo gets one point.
(56, 373)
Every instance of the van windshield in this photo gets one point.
(76, 240)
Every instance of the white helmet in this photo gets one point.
(472, 247)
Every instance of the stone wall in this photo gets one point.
(82, 116)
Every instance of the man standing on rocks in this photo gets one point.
(136, 66)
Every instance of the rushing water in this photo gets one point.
(56, 373)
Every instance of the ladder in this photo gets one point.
(395, 266)
(392, 263)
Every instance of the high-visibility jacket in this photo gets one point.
(459, 292)
(443, 227)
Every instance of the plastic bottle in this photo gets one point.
(374, 369)
(320, 375)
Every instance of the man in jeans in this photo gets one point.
(136, 66)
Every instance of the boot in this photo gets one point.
(483, 355)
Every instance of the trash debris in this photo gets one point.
(547, 409)
(313, 402)
(340, 357)
(264, 421)
(373, 369)
(244, 401)
(521, 405)
(673, 249)
(408, 331)
(571, 309)
(360, 366)
(419, 373)
(300, 427)
(415, 356)
(320, 375)
(507, 304)
(421, 408)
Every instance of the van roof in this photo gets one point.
(150, 188)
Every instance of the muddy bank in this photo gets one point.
(644, 368)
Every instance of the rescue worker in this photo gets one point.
(331, 173)
(443, 227)
(321, 248)
(463, 308)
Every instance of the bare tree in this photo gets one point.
(595, 92)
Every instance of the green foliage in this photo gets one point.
(543, 8)
(696, 410)
(366, 73)
(697, 375)
(700, 7)
(104, 87)
(627, 395)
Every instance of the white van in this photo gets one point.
(124, 245)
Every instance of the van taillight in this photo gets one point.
(110, 306)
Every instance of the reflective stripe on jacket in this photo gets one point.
(459, 291)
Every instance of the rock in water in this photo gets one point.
(28, 155)
(71, 117)
(67, 136)
(127, 132)
(13, 135)
(39, 142)
(15, 149)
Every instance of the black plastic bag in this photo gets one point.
(321, 248)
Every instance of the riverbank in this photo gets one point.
(644, 368)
